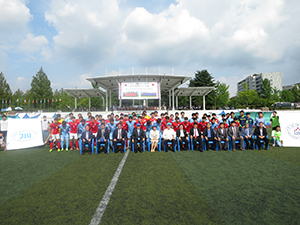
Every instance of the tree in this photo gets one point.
(275, 95)
(5, 91)
(266, 89)
(203, 79)
(41, 86)
(296, 92)
(17, 97)
(287, 96)
(222, 94)
(247, 97)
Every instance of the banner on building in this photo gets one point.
(139, 90)
(24, 134)
(290, 128)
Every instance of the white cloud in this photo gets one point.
(81, 82)
(14, 16)
(230, 33)
(32, 43)
(87, 30)
(21, 79)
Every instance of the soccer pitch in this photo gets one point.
(186, 187)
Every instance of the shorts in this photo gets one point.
(79, 136)
(55, 137)
(95, 135)
(129, 135)
(73, 136)
(1, 143)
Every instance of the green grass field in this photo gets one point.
(187, 187)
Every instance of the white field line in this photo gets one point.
(106, 197)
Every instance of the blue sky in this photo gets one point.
(76, 39)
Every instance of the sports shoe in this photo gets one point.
(50, 150)
(62, 150)
(273, 145)
(58, 150)
(67, 149)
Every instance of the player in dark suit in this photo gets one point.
(138, 136)
(209, 135)
(102, 137)
(195, 135)
(119, 136)
(87, 137)
(183, 137)
(261, 134)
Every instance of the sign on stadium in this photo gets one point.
(139, 90)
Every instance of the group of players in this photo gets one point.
(127, 131)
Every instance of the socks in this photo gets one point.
(51, 145)
(71, 144)
(58, 145)
(77, 144)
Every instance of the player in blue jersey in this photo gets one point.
(70, 118)
(111, 126)
(130, 124)
(81, 128)
(65, 133)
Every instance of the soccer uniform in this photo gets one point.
(81, 129)
(186, 126)
(214, 126)
(143, 123)
(73, 131)
(65, 135)
(153, 120)
(55, 135)
(125, 126)
(242, 120)
(202, 126)
(130, 127)
(175, 126)
(93, 127)
(55, 131)
(250, 121)
(111, 128)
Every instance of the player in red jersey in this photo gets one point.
(236, 120)
(164, 123)
(186, 125)
(176, 124)
(73, 132)
(152, 118)
(202, 124)
(55, 134)
(93, 124)
(144, 121)
(124, 124)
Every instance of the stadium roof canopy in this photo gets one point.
(111, 82)
(193, 91)
(85, 93)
